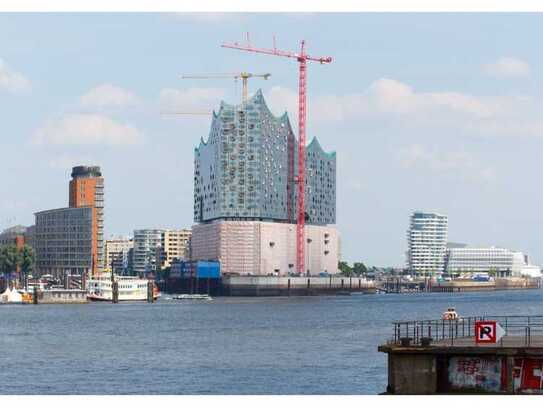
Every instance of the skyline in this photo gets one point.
(88, 89)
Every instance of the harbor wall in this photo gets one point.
(509, 283)
(256, 286)
(62, 296)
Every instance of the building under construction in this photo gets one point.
(245, 195)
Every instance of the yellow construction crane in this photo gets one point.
(243, 75)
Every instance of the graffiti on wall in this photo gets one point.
(476, 373)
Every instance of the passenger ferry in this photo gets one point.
(130, 288)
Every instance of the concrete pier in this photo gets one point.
(265, 286)
(443, 360)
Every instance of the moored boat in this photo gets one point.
(192, 297)
(100, 288)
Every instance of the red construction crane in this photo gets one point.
(302, 59)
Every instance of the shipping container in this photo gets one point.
(196, 269)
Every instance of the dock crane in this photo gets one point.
(243, 75)
(302, 58)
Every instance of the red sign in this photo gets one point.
(488, 332)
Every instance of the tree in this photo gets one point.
(9, 259)
(345, 269)
(359, 268)
(27, 261)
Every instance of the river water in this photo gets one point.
(302, 345)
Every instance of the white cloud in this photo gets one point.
(508, 67)
(453, 163)
(85, 130)
(190, 99)
(108, 95)
(12, 81)
(399, 104)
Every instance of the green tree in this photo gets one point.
(27, 261)
(345, 269)
(10, 257)
(359, 268)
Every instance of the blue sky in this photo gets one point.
(426, 112)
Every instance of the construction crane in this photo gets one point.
(243, 75)
(302, 59)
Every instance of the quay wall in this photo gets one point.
(510, 283)
(253, 286)
(464, 370)
(62, 296)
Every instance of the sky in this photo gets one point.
(434, 112)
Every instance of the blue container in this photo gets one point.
(201, 269)
(208, 269)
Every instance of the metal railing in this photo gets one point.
(424, 332)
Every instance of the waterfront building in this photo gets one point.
(489, 259)
(264, 248)
(63, 241)
(245, 195)
(147, 242)
(246, 169)
(117, 254)
(427, 243)
(175, 245)
(87, 190)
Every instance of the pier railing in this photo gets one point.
(424, 332)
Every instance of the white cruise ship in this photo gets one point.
(130, 288)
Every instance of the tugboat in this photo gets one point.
(450, 315)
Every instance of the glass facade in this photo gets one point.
(246, 169)
(63, 241)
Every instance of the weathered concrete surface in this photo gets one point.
(513, 366)
(412, 374)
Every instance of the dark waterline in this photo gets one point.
(304, 345)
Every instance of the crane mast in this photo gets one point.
(243, 75)
(302, 59)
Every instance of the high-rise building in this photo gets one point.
(87, 189)
(63, 241)
(245, 194)
(246, 169)
(117, 254)
(427, 243)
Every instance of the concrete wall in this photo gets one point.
(412, 374)
(264, 248)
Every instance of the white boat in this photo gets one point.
(192, 297)
(130, 288)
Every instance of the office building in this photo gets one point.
(87, 189)
(427, 243)
(63, 241)
(490, 260)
